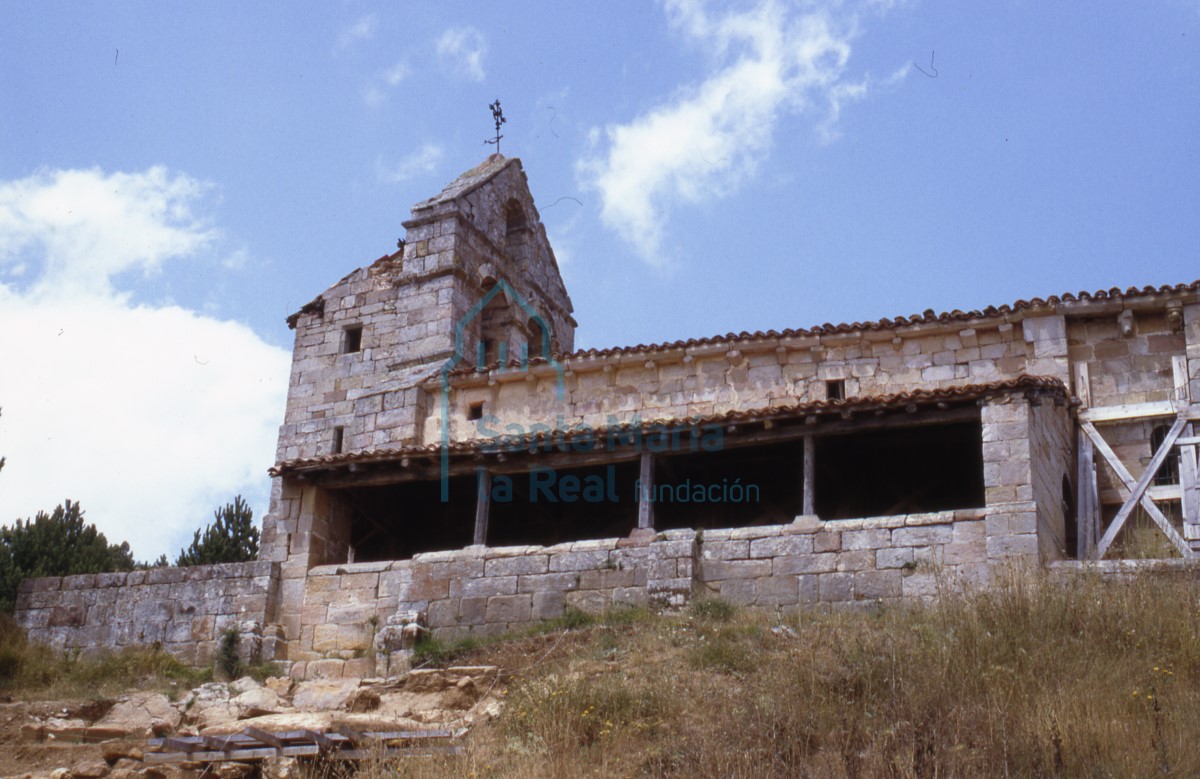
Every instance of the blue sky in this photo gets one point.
(176, 179)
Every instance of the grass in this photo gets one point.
(34, 671)
(1036, 677)
(1142, 539)
(439, 653)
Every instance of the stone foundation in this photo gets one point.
(486, 591)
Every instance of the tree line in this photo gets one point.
(61, 544)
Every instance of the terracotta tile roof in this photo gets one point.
(926, 318)
(913, 400)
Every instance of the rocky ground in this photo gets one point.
(109, 737)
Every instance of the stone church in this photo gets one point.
(449, 462)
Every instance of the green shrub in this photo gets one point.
(228, 662)
(712, 609)
(439, 652)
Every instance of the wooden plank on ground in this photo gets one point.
(322, 740)
(183, 744)
(397, 735)
(268, 738)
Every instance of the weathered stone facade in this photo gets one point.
(448, 462)
(186, 610)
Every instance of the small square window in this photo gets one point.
(475, 411)
(835, 389)
(339, 438)
(352, 340)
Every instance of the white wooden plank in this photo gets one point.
(1156, 492)
(1189, 483)
(1137, 493)
(1083, 383)
(1158, 408)
(1179, 370)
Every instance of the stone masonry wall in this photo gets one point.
(1012, 523)
(186, 610)
(409, 307)
(482, 591)
(1027, 451)
(1052, 463)
(712, 379)
(1127, 369)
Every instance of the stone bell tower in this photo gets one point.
(475, 282)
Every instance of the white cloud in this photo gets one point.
(396, 73)
(373, 95)
(376, 92)
(362, 29)
(423, 160)
(898, 75)
(150, 416)
(87, 227)
(768, 61)
(462, 50)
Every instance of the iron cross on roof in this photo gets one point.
(498, 116)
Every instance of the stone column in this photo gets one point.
(1011, 521)
(1047, 338)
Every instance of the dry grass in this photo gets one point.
(1044, 678)
(32, 671)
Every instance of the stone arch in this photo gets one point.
(495, 325)
(536, 337)
(515, 219)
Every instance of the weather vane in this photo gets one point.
(498, 115)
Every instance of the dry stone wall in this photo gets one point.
(483, 591)
(185, 610)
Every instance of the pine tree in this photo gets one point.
(231, 538)
(55, 544)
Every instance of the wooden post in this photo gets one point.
(1189, 482)
(483, 503)
(1179, 370)
(1087, 504)
(645, 493)
(810, 476)
(1083, 384)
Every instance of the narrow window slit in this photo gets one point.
(352, 341)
